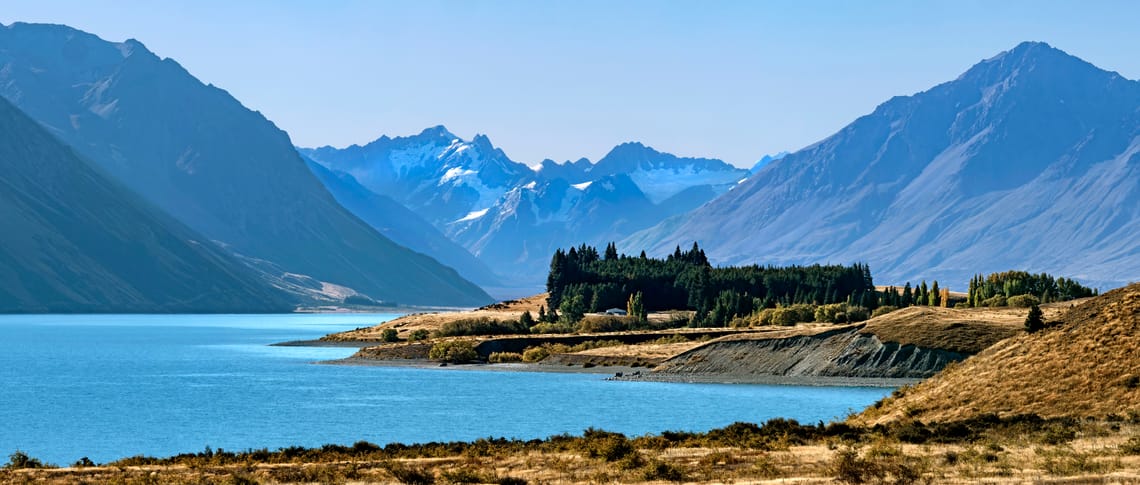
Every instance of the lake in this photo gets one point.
(111, 386)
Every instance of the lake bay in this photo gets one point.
(111, 386)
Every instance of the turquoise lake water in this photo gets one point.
(111, 386)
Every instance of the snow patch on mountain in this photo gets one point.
(454, 173)
(473, 215)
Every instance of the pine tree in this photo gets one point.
(611, 252)
(935, 297)
(1035, 321)
(526, 319)
(541, 313)
(907, 296)
(556, 278)
(923, 295)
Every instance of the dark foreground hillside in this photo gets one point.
(74, 241)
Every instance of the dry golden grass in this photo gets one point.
(1097, 454)
(966, 331)
(506, 310)
(648, 351)
(1087, 365)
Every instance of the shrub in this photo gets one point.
(535, 354)
(590, 344)
(829, 313)
(840, 313)
(786, 316)
(1131, 447)
(994, 302)
(657, 470)
(1063, 461)
(538, 353)
(961, 304)
(883, 310)
(857, 314)
(882, 463)
(763, 317)
(454, 351)
(848, 467)
(481, 326)
(418, 335)
(464, 475)
(410, 476)
(606, 324)
(19, 459)
(389, 335)
(552, 328)
(606, 445)
(504, 357)
(1023, 301)
(512, 481)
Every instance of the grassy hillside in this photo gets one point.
(1085, 365)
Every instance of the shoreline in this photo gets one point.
(502, 367)
(769, 380)
(634, 374)
(354, 344)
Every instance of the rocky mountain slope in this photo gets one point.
(198, 154)
(513, 217)
(75, 241)
(1084, 365)
(1027, 160)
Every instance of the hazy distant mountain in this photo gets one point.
(663, 175)
(401, 225)
(75, 241)
(513, 217)
(766, 159)
(197, 153)
(1028, 160)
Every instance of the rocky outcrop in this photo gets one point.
(840, 352)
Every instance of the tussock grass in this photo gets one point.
(1013, 450)
(1083, 366)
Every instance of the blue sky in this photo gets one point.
(562, 80)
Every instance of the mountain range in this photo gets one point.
(512, 216)
(1028, 160)
(121, 168)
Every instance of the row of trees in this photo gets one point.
(584, 280)
(1008, 284)
(920, 295)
